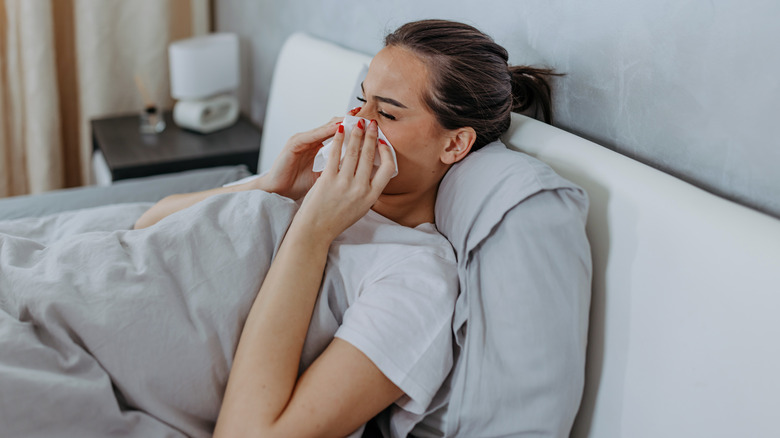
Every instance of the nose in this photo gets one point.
(362, 111)
(367, 112)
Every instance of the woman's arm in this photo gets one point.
(342, 389)
(173, 203)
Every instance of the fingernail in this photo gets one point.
(341, 129)
(360, 124)
(356, 109)
(373, 122)
(382, 142)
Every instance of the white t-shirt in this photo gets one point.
(390, 291)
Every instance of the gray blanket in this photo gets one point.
(108, 331)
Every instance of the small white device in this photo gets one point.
(204, 75)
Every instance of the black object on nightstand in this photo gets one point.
(130, 154)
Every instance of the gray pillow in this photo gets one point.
(521, 318)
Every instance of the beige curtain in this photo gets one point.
(64, 62)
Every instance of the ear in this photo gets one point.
(458, 145)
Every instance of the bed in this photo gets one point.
(674, 335)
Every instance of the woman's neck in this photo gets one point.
(408, 209)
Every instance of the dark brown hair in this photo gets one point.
(471, 82)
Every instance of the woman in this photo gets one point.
(438, 90)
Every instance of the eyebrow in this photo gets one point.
(385, 99)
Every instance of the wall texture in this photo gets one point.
(691, 87)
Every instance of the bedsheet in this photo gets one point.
(110, 331)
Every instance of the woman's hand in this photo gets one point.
(342, 195)
(291, 174)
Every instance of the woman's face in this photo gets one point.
(392, 95)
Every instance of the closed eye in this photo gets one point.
(380, 112)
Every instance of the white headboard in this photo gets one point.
(685, 313)
(685, 319)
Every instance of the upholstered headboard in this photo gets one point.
(686, 286)
(686, 295)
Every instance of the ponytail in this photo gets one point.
(531, 91)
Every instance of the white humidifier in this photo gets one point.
(204, 78)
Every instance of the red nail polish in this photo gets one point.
(341, 129)
(382, 142)
(360, 124)
(373, 122)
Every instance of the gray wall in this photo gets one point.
(690, 87)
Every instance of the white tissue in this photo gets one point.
(350, 122)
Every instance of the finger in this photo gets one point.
(366, 164)
(317, 135)
(385, 171)
(352, 153)
(332, 166)
(354, 110)
(327, 130)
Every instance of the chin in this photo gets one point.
(396, 186)
(389, 191)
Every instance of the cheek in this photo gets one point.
(404, 145)
(411, 143)
(416, 143)
(418, 160)
(416, 156)
(398, 138)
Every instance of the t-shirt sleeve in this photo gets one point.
(402, 320)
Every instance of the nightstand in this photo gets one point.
(120, 151)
